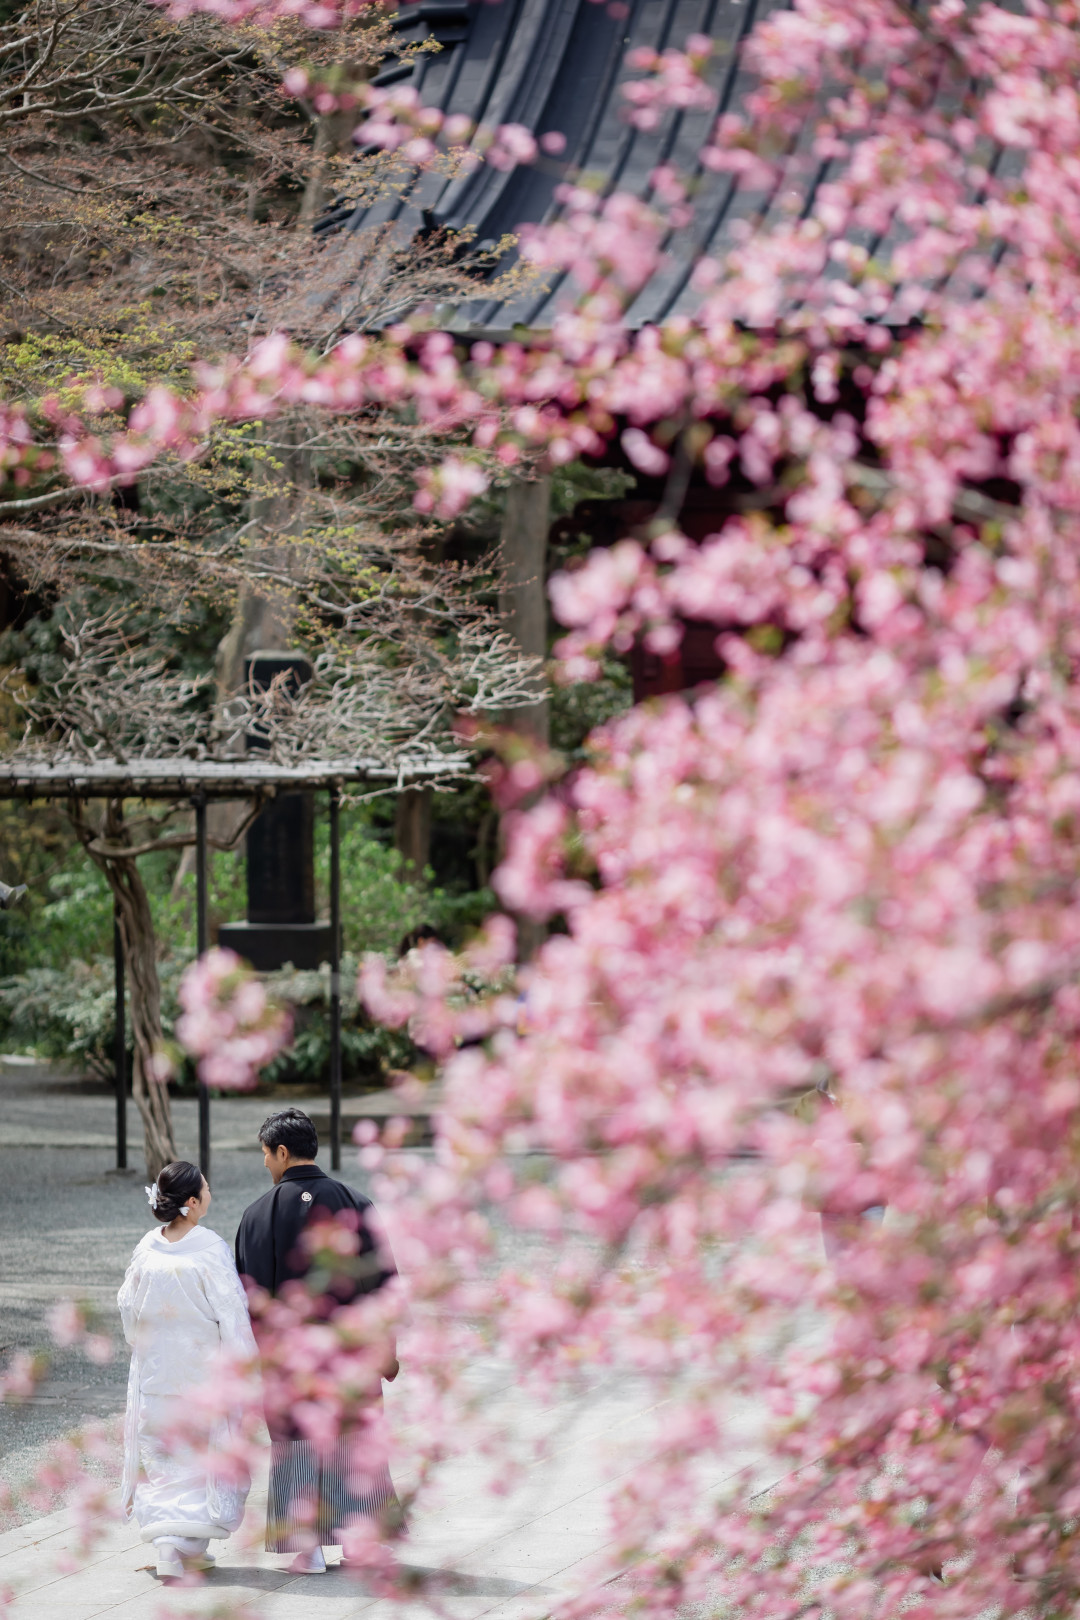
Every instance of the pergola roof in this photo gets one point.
(173, 778)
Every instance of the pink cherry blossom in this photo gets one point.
(447, 490)
(228, 1022)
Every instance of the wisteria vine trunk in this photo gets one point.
(139, 946)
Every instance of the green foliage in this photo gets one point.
(577, 709)
(57, 996)
(576, 481)
(68, 1015)
(189, 634)
(380, 905)
(139, 351)
(368, 1050)
(34, 841)
(61, 1013)
(74, 925)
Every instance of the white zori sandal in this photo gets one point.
(170, 1566)
(311, 1562)
(201, 1562)
(173, 1565)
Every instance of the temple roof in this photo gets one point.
(558, 66)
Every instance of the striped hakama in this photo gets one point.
(315, 1494)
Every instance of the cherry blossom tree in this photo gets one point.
(819, 949)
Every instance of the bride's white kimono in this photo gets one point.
(182, 1304)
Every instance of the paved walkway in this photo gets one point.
(49, 1110)
(475, 1553)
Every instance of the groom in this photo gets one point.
(314, 1492)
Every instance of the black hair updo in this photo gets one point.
(176, 1186)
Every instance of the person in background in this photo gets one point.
(314, 1494)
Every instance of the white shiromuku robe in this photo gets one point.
(182, 1306)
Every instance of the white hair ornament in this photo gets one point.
(152, 1198)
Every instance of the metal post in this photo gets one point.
(120, 1048)
(335, 977)
(202, 940)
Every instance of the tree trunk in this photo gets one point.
(261, 621)
(523, 592)
(412, 831)
(523, 609)
(140, 961)
(333, 131)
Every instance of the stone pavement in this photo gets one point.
(477, 1553)
(43, 1109)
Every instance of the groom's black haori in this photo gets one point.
(314, 1495)
(269, 1244)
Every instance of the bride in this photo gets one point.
(182, 1305)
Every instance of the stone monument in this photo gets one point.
(281, 926)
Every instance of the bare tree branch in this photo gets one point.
(129, 852)
(121, 699)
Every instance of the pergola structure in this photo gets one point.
(197, 782)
